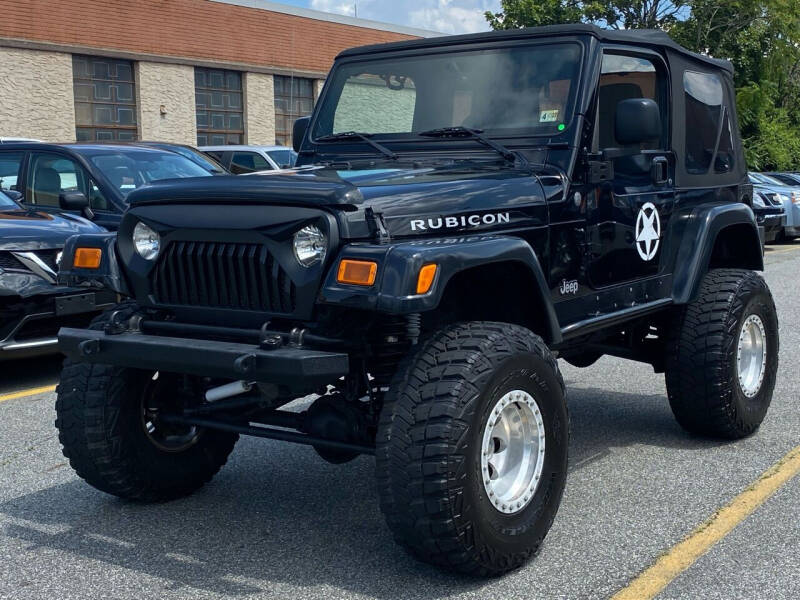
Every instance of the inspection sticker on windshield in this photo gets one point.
(548, 116)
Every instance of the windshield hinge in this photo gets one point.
(598, 170)
(376, 224)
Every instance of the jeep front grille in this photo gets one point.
(222, 275)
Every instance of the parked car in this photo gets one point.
(89, 179)
(770, 214)
(775, 192)
(249, 159)
(203, 159)
(32, 305)
(425, 278)
(10, 140)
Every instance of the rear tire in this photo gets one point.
(102, 421)
(714, 387)
(439, 456)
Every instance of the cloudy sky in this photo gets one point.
(447, 16)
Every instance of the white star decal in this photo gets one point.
(648, 231)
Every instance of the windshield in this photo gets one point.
(127, 170)
(765, 179)
(521, 90)
(6, 202)
(283, 158)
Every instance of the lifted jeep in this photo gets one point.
(464, 211)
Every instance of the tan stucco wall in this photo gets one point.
(170, 86)
(36, 96)
(259, 115)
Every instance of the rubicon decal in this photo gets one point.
(459, 221)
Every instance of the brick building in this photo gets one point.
(186, 71)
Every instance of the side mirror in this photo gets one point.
(13, 194)
(637, 120)
(299, 132)
(76, 201)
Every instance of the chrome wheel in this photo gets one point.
(751, 357)
(513, 451)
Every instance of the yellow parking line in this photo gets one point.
(26, 393)
(682, 556)
(778, 251)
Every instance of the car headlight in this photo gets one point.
(782, 198)
(310, 245)
(758, 200)
(146, 241)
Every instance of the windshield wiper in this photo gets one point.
(460, 131)
(355, 135)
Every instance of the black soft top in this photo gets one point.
(653, 38)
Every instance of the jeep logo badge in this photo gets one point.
(648, 231)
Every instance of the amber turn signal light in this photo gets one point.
(87, 258)
(357, 272)
(425, 279)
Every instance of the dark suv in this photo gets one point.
(32, 304)
(89, 179)
(465, 211)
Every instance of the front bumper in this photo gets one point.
(31, 327)
(295, 369)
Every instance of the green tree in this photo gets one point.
(618, 14)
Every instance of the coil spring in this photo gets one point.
(392, 342)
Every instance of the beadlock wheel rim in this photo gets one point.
(751, 355)
(513, 451)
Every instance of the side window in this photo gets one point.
(50, 175)
(624, 77)
(10, 163)
(707, 120)
(247, 162)
(215, 154)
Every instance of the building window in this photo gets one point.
(294, 98)
(105, 99)
(218, 96)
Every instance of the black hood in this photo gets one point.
(27, 229)
(399, 195)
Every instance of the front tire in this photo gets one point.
(722, 360)
(111, 441)
(459, 418)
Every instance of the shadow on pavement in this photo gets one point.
(28, 373)
(278, 516)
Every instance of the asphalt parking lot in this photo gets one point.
(278, 522)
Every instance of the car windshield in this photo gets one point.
(6, 202)
(283, 158)
(521, 90)
(764, 179)
(128, 169)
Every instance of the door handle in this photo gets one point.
(659, 170)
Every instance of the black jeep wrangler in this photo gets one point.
(465, 210)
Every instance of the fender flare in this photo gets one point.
(399, 264)
(108, 275)
(704, 224)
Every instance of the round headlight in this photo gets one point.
(310, 245)
(146, 241)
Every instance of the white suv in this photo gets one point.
(249, 159)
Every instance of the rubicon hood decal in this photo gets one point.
(459, 221)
